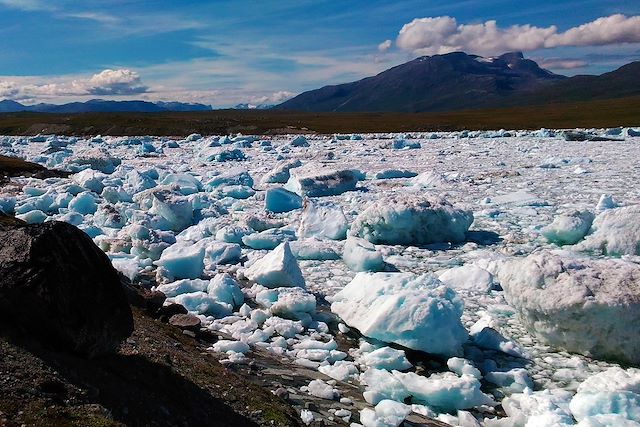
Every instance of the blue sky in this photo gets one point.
(228, 52)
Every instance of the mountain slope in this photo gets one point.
(623, 82)
(102, 106)
(436, 83)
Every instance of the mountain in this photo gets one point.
(9, 106)
(430, 83)
(102, 106)
(620, 83)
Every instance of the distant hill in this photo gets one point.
(458, 81)
(620, 83)
(102, 106)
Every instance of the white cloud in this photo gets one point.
(114, 82)
(443, 34)
(384, 46)
(120, 82)
(274, 98)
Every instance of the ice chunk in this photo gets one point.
(183, 260)
(278, 268)
(35, 216)
(234, 176)
(221, 253)
(323, 221)
(387, 358)
(279, 200)
(410, 221)
(615, 232)
(90, 179)
(445, 391)
(540, 408)
(183, 286)
(429, 180)
(280, 174)
(268, 239)
(515, 380)
(360, 255)
(341, 370)
(615, 391)
(608, 420)
(581, 305)
(139, 181)
(470, 277)
(288, 303)
(394, 173)
(186, 183)
(403, 144)
(462, 366)
(226, 291)
(315, 181)
(95, 158)
(84, 203)
(387, 413)
(203, 303)
(313, 249)
(306, 416)
(569, 229)
(237, 191)
(229, 346)
(299, 141)
(319, 388)
(606, 202)
(518, 198)
(418, 312)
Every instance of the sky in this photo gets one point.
(224, 53)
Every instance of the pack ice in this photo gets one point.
(479, 278)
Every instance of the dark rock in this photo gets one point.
(58, 286)
(139, 296)
(185, 321)
(8, 220)
(173, 308)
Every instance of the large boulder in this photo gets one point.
(56, 284)
(412, 221)
(582, 305)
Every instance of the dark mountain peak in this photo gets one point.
(430, 83)
(511, 56)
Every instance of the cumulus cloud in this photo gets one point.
(384, 46)
(106, 83)
(443, 34)
(115, 82)
(274, 98)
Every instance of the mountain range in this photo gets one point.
(101, 105)
(459, 81)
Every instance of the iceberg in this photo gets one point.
(317, 181)
(278, 268)
(323, 221)
(577, 304)
(418, 312)
(406, 221)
